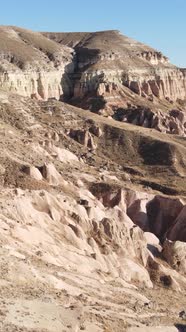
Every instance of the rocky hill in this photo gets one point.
(103, 72)
(31, 64)
(108, 58)
(92, 206)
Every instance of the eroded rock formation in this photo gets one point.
(92, 210)
(107, 60)
(172, 122)
(32, 65)
(77, 65)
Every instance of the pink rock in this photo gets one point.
(162, 213)
(175, 255)
(138, 214)
(178, 230)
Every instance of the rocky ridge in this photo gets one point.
(102, 72)
(92, 210)
(107, 59)
(32, 65)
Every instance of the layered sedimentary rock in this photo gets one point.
(32, 65)
(107, 59)
(41, 85)
(78, 65)
(164, 83)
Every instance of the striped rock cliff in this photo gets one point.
(107, 60)
(32, 65)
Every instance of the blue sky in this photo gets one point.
(159, 23)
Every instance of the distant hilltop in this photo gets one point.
(77, 64)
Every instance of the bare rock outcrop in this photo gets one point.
(171, 84)
(80, 68)
(171, 122)
(162, 213)
(120, 61)
(178, 230)
(96, 130)
(175, 255)
(32, 65)
(33, 172)
(83, 137)
(162, 216)
(50, 174)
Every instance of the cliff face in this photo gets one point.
(41, 85)
(32, 65)
(80, 63)
(107, 59)
(168, 83)
(163, 83)
(159, 80)
(100, 71)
